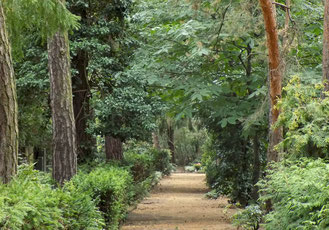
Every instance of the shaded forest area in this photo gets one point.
(99, 99)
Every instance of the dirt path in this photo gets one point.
(178, 203)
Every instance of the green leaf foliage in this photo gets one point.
(299, 194)
(305, 119)
(109, 187)
(29, 201)
(45, 17)
(129, 111)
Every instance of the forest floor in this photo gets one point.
(178, 203)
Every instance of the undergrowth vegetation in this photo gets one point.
(297, 187)
(299, 193)
(96, 198)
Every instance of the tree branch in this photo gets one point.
(284, 7)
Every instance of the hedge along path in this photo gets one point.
(178, 203)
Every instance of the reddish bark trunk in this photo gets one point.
(275, 135)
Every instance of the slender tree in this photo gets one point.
(113, 148)
(325, 58)
(8, 107)
(82, 111)
(80, 80)
(64, 140)
(171, 140)
(275, 135)
(155, 140)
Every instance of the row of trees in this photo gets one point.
(130, 63)
(104, 98)
(64, 146)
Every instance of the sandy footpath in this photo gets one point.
(178, 203)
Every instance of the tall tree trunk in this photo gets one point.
(155, 138)
(113, 148)
(64, 140)
(81, 93)
(171, 142)
(275, 135)
(325, 58)
(29, 154)
(285, 41)
(256, 168)
(8, 108)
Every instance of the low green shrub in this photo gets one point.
(143, 188)
(249, 218)
(189, 168)
(29, 201)
(140, 164)
(140, 154)
(212, 194)
(161, 160)
(79, 210)
(111, 189)
(97, 197)
(299, 192)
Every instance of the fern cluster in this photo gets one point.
(304, 116)
(299, 194)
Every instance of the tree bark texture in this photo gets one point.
(325, 58)
(275, 135)
(81, 93)
(155, 138)
(171, 142)
(8, 108)
(285, 42)
(29, 154)
(113, 148)
(64, 140)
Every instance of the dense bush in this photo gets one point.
(97, 197)
(93, 199)
(161, 159)
(249, 218)
(111, 188)
(304, 117)
(140, 164)
(146, 165)
(144, 160)
(299, 192)
(30, 202)
(229, 166)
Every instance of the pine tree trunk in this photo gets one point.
(81, 92)
(171, 143)
(8, 108)
(325, 61)
(64, 140)
(275, 135)
(113, 148)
